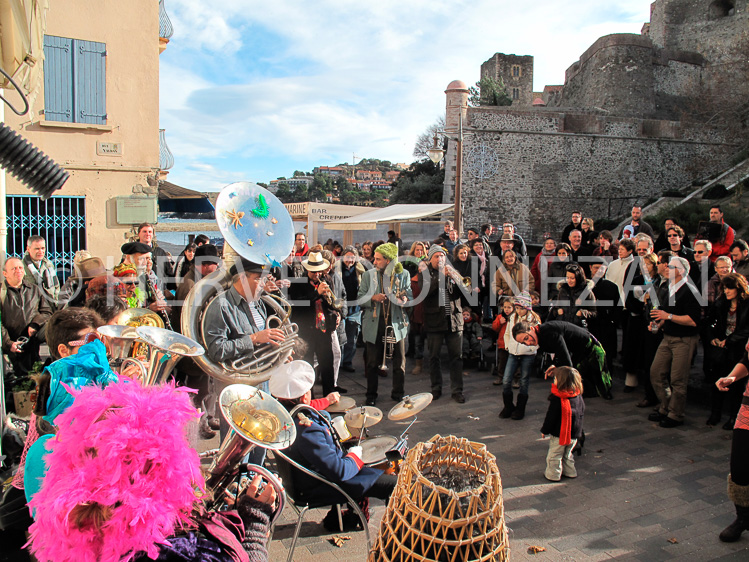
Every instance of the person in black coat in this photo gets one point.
(603, 324)
(728, 326)
(572, 346)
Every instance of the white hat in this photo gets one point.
(291, 380)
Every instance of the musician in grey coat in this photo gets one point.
(383, 292)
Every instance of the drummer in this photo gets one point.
(316, 448)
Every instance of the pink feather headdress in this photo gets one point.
(122, 476)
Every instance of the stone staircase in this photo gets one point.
(730, 178)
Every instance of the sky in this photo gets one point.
(252, 90)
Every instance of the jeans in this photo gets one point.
(526, 364)
(454, 341)
(349, 349)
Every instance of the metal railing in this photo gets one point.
(165, 24)
(166, 158)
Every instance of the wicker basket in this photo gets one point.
(426, 521)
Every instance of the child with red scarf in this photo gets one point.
(563, 423)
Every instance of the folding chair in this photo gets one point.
(286, 467)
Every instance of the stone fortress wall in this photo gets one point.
(620, 131)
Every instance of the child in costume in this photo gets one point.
(563, 423)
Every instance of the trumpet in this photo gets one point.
(388, 341)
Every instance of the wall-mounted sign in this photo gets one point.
(109, 148)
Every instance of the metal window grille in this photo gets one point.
(61, 221)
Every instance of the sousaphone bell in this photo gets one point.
(166, 348)
(256, 420)
(120, 341)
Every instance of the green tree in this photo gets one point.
(422, 183)
(489, 91)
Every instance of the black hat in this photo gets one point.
(472, 229)
(207, 253)
(130, 248)
(242, 265)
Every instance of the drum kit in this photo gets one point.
(381, 451)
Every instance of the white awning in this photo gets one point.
(391, 214)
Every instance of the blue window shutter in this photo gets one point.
(58, 83)
(89, 74)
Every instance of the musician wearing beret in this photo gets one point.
(383, 292)
(317, 447)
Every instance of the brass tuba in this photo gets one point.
(272, 238)
(257, 420)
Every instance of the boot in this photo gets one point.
(418, 364)
(509, 407)
(519, 412)
(739, 495)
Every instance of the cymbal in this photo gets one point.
(363, 416)
(344, 404)
(410, 406)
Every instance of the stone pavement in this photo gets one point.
(643, 492)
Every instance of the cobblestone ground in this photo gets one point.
(643, 492)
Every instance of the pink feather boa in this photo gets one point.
(123, 447)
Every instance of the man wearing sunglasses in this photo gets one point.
(703, 268)
(678, 317)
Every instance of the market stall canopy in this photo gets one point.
(392, 214)
(174, 198)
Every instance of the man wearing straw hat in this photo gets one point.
(383, 291)
(317, 448)
(317, 313)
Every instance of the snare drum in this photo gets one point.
(374, 452)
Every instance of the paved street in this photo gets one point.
(643, 492)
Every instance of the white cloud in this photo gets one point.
(245, 81)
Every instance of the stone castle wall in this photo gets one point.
(527, 167)
(626, 126)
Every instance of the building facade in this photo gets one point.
(96, 113)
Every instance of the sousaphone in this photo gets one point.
(257, 227)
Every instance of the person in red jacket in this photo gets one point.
(721, 246)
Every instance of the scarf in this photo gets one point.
(482, 261)
(565, 430)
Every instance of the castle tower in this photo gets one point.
(455, 111)
(517, 74)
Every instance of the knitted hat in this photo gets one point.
(389, 251)
(125, 270)
(628, 229)
(291, 380)
(524, 300)
(435, 249)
